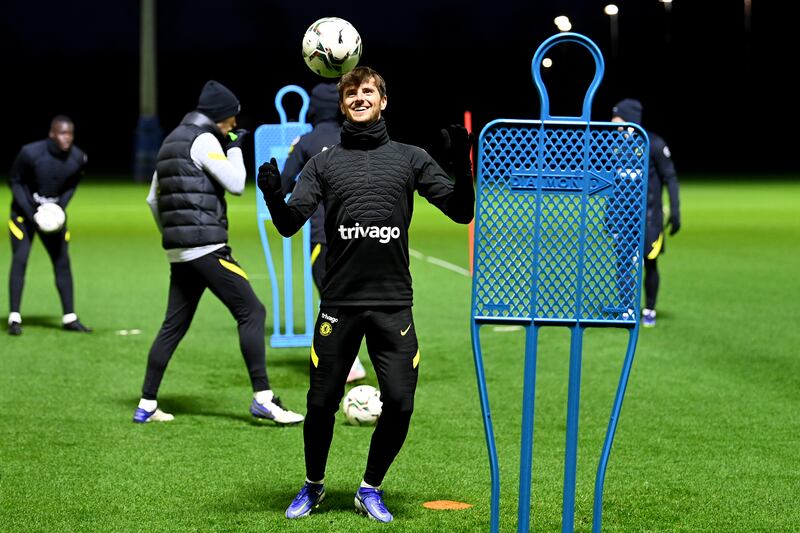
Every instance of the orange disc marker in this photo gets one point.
(446, 505)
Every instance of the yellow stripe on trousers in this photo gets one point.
(236, 269)
(656, 247)
(15, 230)
(315, 252)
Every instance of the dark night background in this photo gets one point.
(717, 93)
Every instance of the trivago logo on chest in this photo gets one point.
(383, 233)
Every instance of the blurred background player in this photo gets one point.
(46, 171)
(187, 197)
(323, 113)
(661, 173)
(367, 184)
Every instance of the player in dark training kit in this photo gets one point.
(661, 173)
(44, 172)
(187, 198)
(366, 184)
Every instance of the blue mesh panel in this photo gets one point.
(274, 140)
(559, 224)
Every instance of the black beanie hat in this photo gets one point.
(324, 103)
(629, 110)
(217, 102)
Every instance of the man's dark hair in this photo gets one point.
(60, 118)
(359, 75)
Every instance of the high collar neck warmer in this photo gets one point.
(364, 137)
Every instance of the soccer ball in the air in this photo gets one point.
(331, 47)
(362, 405)
(49, 217)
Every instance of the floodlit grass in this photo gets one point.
(707, 440)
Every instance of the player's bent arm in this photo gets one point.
(16, 180)
(454, 199)
(461, 203)
(228, 170)
(286, 220)
(66, 196)
(72, 184)
(69, 191)
(289, 218)
(666, 169)
(152, 199)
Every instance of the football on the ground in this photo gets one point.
(49, 217)
(362, 405)
(331, 47)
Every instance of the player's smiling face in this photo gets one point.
(363, 104)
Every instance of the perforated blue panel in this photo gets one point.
(274, 140)
(559, 223)
(559, 233)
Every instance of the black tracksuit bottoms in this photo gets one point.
(394, 352)
(220, 273)
(22, 231)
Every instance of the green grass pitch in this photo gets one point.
(707, 441)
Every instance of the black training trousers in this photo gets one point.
(651, 282)
(220, 273)
(22, 232)
(394, 352)
(318, 263)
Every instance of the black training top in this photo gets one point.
(367, 185)
(41, 173)
(661, 173)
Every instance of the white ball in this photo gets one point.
(49, 217)
(362, 405)
(331, 47)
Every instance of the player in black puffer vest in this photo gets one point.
(367, 185)
(323, 113)
(46, 171)
(187, 197)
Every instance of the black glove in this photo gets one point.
(674, 223)
(236, 138)
(269, 179)
(457, 145)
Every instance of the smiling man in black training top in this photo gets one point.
(366, 184)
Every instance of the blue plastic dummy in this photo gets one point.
(559, 233)
(274, 140)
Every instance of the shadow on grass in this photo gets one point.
(276, 497)
(46, 322)
(200, 406)
(41, 321)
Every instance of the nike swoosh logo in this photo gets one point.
(404, 331)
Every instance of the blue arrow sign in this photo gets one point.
(558, 182)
